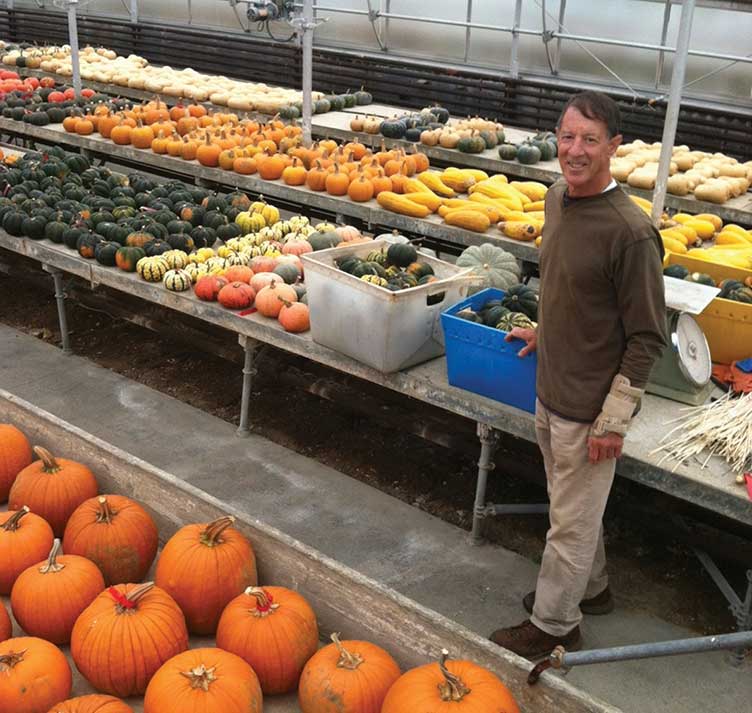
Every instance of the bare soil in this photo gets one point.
(651, 569)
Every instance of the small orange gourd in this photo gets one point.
(93, 703)
(361, 189)
(316, 179)
(6, 625)
(207, 153)
(337, 183)
(294, 316)
(295, 174)
(268, 300)
(15, 455)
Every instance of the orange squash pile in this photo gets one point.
(131, 638)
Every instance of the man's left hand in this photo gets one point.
(604, 447)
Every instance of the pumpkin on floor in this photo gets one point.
(274, 629)
(354, 674)
(49, 596)
(25, 539)
(15, 455)
(94, 703)
(116, 534)
(202, 680)
(34, 675)
(203, 567)
(124, 636)
(53, 488)
(463, 685)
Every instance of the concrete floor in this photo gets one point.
(416, 554)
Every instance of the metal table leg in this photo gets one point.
(488, 443)
(251, 347)
(57, 278)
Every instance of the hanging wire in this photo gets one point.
(277, 39)
(621, 81)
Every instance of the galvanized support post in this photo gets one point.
(559, 30)
(488, 441)
(672, 110)
(73, 42)
(386, 6)
(9, 4)
(664, 35)
(57, 279)
(514, 62)
(134, 11)
(469, 17)
(306, 27)
(250, 347)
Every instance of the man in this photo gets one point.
(601, 327)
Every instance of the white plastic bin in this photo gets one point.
(386, 330)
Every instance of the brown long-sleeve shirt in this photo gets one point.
(602, 309)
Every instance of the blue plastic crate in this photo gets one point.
(479, 360)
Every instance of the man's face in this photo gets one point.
(584, 153)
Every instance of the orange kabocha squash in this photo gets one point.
(457, 686)
(204, 680)
(15, 455)
(34, 675)
(94, 703)
(52, 488)
(205, 566)
(125, 635)
(347, 677)
(48, 597)
(273, 629)
(115, 533)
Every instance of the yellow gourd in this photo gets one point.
(520, 230)
(430, 200)
(400, 204)
(469, 220)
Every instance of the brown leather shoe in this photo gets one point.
(602, 603)
(528, 640)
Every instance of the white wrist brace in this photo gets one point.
(617, 409)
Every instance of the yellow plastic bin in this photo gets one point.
(727, 324)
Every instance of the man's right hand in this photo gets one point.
(529, 336)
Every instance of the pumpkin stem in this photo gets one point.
(52, 565)
(50, 464)
(11, 659)
(12, 523)
(346, 660)
(127, 602)
(453, 689)
(105, 512)
(211, 535)
(265, 604)
(200, 677)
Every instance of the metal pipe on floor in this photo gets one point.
(672, 110)
(562, 659)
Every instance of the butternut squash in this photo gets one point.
(400, 204)
(469, 220)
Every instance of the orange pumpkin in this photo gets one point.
(360, 190)
(347, 233)
(449, 685)
(244, 165)
(6, 625)
(205, 566)
(294, 317)
(15, 455)
(207, 153)
(273, 629)
(347, 677)
(269, 300)
(202, 680)
(48, 597)
(262, 263)
(52, 488)
(270, 167)
(115, 533)
(238, 273)
(34, 675)
(125, 635)
(263, 279)
(25, 538)
(295, 174)
(296, 246)
(84, 127)
(337, 183)
(94, 703)
(316, 178)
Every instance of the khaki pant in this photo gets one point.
(574, 559)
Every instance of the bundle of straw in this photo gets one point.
(722, 428)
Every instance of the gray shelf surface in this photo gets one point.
(711, 488)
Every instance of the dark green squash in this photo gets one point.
(181, 241)
(34, 226)
(229, 231)
(288, 272)
(127, 257)
(528, 154)
(401, 254)
(323, 241)
(677, 271)
(106, 252)
(203, 237)
(54, 231)
(87, 245)
(72, 235)
(393, 129)
(521, 298)
(471, 144)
